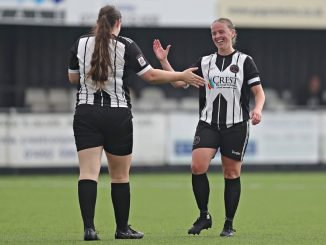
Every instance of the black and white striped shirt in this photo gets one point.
(126, 57)
(224, 100)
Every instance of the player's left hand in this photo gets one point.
(160, 53)
(255, 116)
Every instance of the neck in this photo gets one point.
(115, 32)
(225, 52)
(116, 28)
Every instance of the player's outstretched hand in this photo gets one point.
(193, 79)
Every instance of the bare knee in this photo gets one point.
(231, 168)
(119, 178)
(89, 172)
(119, 167)
(198, 168)
(231, 173)
(119, 174)
(88, 177)
(201, 159)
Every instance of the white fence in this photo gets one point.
(46, 140)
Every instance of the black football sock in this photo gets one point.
(120, 194)
(232, 192)
(200, 187)
(87, 191)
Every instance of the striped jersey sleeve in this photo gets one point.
(135, 59)
(73, 60)
(251, 73)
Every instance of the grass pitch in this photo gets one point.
(275, 208)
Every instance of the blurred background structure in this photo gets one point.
(286, 38)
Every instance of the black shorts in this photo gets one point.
(231, 141)
(103, 126)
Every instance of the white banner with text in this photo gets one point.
(275, 14)
(46, 140)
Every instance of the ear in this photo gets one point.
(118, 23)
(234, 34)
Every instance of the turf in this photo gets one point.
(275, 208)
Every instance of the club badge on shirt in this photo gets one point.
(141, 60)
(234, 68)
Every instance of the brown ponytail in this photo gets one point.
(101, 62)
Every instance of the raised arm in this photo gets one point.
(162, 55)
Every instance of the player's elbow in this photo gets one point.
(73, 78)
(150, 76)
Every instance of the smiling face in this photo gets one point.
(222, 36)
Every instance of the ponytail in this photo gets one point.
(101, 62)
